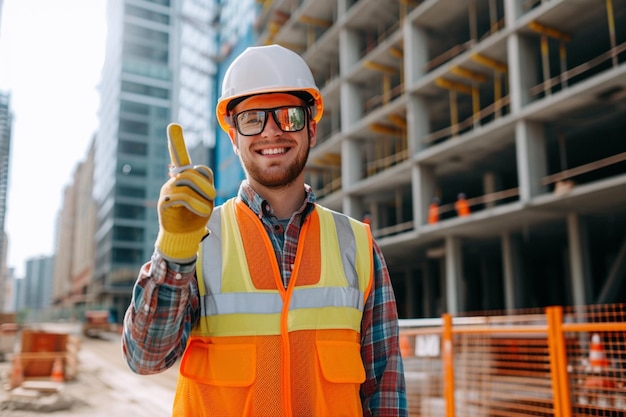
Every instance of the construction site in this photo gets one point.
(484, 142)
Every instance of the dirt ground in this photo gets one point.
(103, 387)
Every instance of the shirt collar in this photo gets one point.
(256, 202)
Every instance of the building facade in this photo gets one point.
(74, 246)
(517, 105)
(157, 70)
(6, 121)
(237, 22)
(35, 292)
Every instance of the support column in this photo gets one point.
(512, 268)
(410, 281)
(531, 159)
(490, 282)
(491, 182)
(428, 295)
(454, 272)
(415, 52)
(423, 191)
(415, 60)
(512, 11)
(522, 74)
(348, 50)
(578, 259)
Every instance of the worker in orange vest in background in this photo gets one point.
(433, 211)
(461, 205)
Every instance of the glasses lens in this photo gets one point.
(251, 122)
(288, 119)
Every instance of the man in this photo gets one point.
(287, 309)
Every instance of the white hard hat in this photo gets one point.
(266, 69)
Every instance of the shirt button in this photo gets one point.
(146, 308)
(178, 276)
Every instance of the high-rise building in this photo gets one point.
(8, 292)
(6, 119)
(158, 69)
(237, 31)
(75, 246)
(37, 286)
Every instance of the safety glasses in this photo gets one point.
(287, 118)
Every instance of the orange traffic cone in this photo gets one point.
(599, 383)
(57, 371)
(17, 373)
(597, 357)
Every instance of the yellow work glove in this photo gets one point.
(185, 204)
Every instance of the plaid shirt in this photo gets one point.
(165, 307)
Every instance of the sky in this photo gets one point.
(51, 57)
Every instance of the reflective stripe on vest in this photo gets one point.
(232, 306)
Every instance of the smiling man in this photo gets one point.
(276, 305)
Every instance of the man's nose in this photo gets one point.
(271, 127)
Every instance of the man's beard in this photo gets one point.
(283, 178)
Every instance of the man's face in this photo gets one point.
(273, 158)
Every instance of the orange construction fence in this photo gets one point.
(557, 361)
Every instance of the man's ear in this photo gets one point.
(312, 132)
(232, 134)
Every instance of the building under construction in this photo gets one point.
(517, 105)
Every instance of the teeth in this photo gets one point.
(274, 151)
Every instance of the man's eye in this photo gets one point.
(250, 119)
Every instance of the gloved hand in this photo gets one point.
(185, 204)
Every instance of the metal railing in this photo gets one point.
(558, 361)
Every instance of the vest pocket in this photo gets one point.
(341, 361)
(221, 365)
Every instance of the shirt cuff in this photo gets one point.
(181, 268)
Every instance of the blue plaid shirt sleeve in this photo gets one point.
(162, 311)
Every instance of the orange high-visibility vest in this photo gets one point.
(433, 213)
(462, 207)
(259, 349)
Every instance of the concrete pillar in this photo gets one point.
(418, 124)
(415, 60)
(348, 50)
(491, 183)
(416, 53)
(490, 275)
(351, 105)
(512, 11)
(454, 273)
(351, 110)
(410, 294)
(441, 306)
(423, 191)
(531, 159)
(342, 7)
(511, 265)
(427, 292)
(578, 259)
(522, 70)
(350, 163)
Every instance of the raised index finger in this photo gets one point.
(176, 145)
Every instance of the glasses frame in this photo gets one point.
(272, 111)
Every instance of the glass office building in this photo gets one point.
(158, 69)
